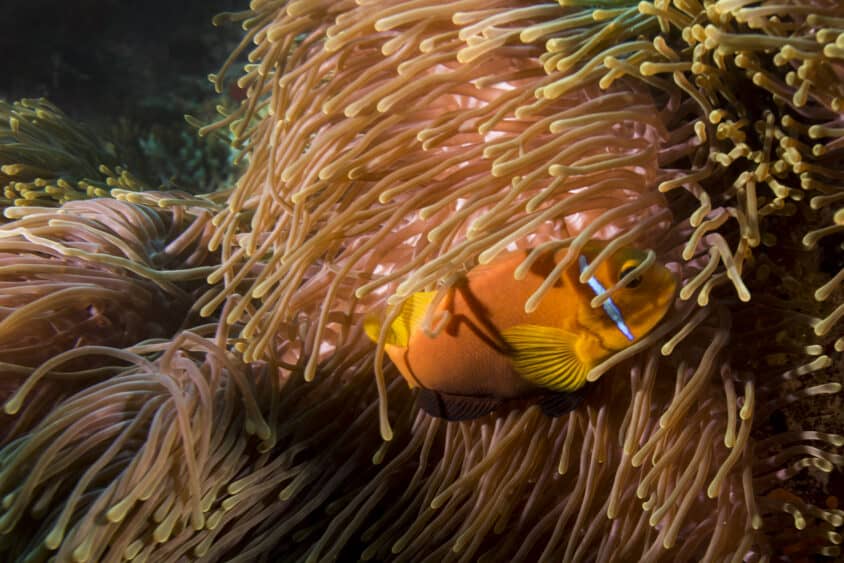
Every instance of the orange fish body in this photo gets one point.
(491, 348)
(471, 341)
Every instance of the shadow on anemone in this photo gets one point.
(393, 146)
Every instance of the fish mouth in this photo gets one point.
(669, 280)
(666, 296)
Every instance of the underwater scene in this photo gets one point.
(419, 281)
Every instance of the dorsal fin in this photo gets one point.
(410, 317)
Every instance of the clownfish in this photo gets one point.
(490, 350)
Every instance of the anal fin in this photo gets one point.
(456, 407)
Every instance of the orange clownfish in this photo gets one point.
(490, 350)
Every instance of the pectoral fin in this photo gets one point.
(546, 356)
(410, 316)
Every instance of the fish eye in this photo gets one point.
(626, 269)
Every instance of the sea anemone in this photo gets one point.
(406, 142)
(391, 147)
(46, 158)
(100, 273)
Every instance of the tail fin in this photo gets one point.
(372, 326)
(410, 316)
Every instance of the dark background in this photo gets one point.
(129, 69)
(95, 56)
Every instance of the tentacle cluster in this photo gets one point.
(97, 272)
(47, 159)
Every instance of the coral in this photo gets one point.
(201, 164)
(392, 146)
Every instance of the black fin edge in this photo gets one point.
(456, 407)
